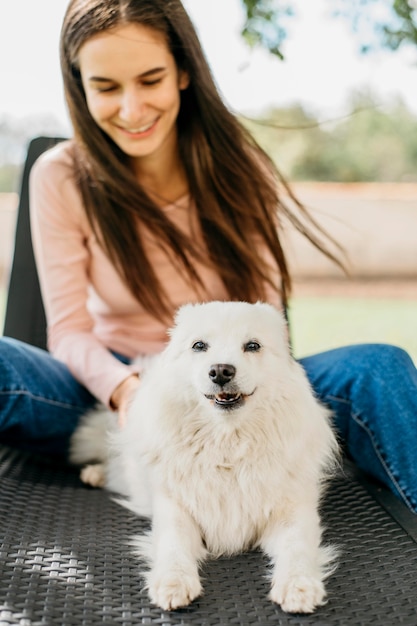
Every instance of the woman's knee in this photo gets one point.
(18, 360)
(14, 351)
(8, 346)
(384, 353)
(384, 361)
(40, 400)
(10, 355)
(347, 371)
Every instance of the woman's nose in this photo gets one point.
(131, 105)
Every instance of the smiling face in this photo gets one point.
(230, 353)
(132, 86)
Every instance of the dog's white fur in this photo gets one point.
(220, 474)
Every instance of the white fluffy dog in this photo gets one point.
(227, 449)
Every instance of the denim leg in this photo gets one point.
(372, 390)
(40, 400)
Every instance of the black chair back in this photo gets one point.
(25, 315)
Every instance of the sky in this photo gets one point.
(322, 66)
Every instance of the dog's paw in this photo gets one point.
(93, 475)
(299, 594)
(173, 590)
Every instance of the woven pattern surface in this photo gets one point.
(65, 560)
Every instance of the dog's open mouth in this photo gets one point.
(225, 400)
(228, 400)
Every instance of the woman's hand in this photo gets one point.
(122, 396)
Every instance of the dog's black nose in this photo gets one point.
(222, 373)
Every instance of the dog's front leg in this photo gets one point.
(177, 549)
(299, 563)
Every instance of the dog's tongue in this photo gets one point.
(227, 398)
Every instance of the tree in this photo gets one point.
(372, 143)
(265, 24)
(392, 22)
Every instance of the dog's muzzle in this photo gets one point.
(228, 396)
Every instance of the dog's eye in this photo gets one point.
(200, 346)
(251, 346)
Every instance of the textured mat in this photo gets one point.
(65, 560)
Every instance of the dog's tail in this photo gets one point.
(89, 443)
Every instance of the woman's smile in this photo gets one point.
(140, 132)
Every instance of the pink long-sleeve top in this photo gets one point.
(89, 310)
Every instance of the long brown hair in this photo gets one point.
(233, 183)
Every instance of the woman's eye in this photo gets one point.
(149, 83)
(106, 89)
(252, 346)
(200, 346)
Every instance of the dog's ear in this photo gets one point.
(278, 323)
(181, 313)
(181, 316)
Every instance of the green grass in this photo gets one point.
(321, 323)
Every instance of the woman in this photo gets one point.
(162, 198)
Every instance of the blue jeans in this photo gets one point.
(371, 389)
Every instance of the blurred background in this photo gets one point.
(327, 87)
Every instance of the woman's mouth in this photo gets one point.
(140, 131)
